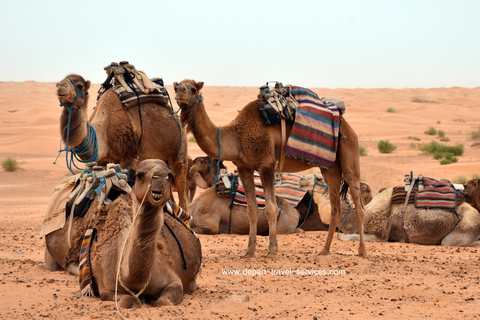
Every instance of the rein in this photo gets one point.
(86, 146)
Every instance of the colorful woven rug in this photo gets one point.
(315, 132)
(438, 194)
(129, 99)
(84, 274)
(289, 190)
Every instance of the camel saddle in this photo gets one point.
(133, 87)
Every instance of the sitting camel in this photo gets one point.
(318, 218)
(252, 146)
(123, 135)
(383, 222)
(149, 252)
(201, 174)
(472, 193)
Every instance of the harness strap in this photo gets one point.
(179, 245)
(283, 130)
(404, 209)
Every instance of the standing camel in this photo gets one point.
(252, 146)
(118, 131)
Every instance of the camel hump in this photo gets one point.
(133, 86)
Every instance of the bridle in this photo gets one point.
(77, 94)
(192, 99)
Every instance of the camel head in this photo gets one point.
(204, 168)
(313, 182)
(187, 94)
(73, 91)
(472, 193)
(153, 182)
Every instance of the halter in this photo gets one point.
(85, 147)
(200, 99)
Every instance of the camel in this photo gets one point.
(252, 146)
(383, 222)
(472, 193)
(319, 218)
(136, 245)
(212, 215)
(118, 131)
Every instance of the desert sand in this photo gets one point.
(395, 281)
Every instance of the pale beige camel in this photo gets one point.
(383, 222)
(118, 130)
(212, 215)
(320, 217)
(472, 193)
(137, 243)
(251, 146)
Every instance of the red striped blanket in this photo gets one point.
(436, 194)
(289, 190)
(315, 132)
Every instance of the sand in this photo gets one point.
(395, 281)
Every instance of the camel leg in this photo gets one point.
(171, 295)
(333, 178)
(349, 156)
(246, 175)
(50, 263)
(180, 173)
(124, 300)
(267, 175)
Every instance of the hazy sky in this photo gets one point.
(338, 43)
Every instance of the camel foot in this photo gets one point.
(129, 302)
(249, 255)
(362, 252)
(271, 255)
(324, 252)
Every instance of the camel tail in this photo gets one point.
(344, 190)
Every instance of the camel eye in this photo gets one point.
(80, 87)
(194, 90)
(140, 175)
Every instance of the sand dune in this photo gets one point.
(395, 281)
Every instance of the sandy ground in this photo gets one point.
(395, 281)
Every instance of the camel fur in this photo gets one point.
(212, 215)
(136, 243)
(119, 130)
(252, 146)
(472, 193)
(383, 222)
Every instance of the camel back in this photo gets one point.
(316, 122)
(133, 87)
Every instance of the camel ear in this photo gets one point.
(175, 86)
(87, 85)
(199, 85)
(171, 178)
(131, 177)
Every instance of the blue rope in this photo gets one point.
(219, 158)
(85, 147)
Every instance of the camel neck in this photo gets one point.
(74, 124)
(206, 134)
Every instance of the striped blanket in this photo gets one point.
(315, 132)
(289, 190)
(129, 99)
(437, 194)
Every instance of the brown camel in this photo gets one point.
(251, 146)
(472, 193)
(118, 131)
(319, 216)
(212, 215)
(383, 222)
(137, 247)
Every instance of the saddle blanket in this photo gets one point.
(55, 215)
(315, 132)
(436, 194)
(129, 99)
(289, 190)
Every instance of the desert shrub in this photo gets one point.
(384, 146)
(442, 152)
(10, 164)
(422, 100)
(413, 145)
(192, 139)
(414, 138)
(440, 133)
(392, 110)
(448, 158)
(475, 176)
(446, 139)
(431, 131)
(475, 134)
(459, 179)
(216, 104)
(363, 150)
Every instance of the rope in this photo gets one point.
(85, 147)
(179, 245)
(219, 158)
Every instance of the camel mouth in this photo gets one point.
(156, 195)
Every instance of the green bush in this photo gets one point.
(475, 134)
(431, 131)
(363, 151)
(459, 179)
(440, 133)
(10, 164)
(446, 154)
(414, 138)
(449, 158)
(392, 110)
(446, 139)
(192, 139)
(384, 146)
